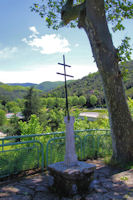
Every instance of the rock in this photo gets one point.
(10, 189)
(24, 190)
(93, 185)
(69, 181)
(45, 196)
(77, 197)
(112, 196)
(50, 181)
(107, 185)
(41, 188)
(65, 198)
(3, 195)
(96, 196)
(99, 189)
(17, 197)
(104, 187)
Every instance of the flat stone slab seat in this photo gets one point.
(69, 181)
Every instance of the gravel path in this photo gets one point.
(109, 184)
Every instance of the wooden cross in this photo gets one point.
(65, 75)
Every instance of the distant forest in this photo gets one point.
(87, 86)
(92, 84)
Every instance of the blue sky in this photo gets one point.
(29, 51)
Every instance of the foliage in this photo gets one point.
(116, 13)
(48, 85)
(130, 104)
(75, 100)
(55, 119)
(2, 117)
(92, 84)
(86, 86)
(12, 107)
(1, 107)
(100, 123)
(27, 156)
(14, 122)
(93, 100)
(31, 127)
(32, 104)
(124, 50)
(82, 101)
(44, 86)
(50, 102)
(48, 9)
(12, 92)
(9, 130)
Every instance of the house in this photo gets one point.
(19, 115)
(2, 135)
(92, 116)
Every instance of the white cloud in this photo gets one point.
(7, 52)
(33, 29)
(47, 44)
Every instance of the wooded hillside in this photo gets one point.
(86, 86)
(92, 84)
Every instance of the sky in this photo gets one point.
(30, 52)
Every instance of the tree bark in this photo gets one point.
(93, 20)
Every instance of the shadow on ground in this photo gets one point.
(109, 184)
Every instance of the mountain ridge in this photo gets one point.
(88, 85)
(92, 84)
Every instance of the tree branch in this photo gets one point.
(71, 12)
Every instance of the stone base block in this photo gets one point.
(69, 181)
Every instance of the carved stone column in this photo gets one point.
(70, 154)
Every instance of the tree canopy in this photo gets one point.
(32, 104)
(116, 12)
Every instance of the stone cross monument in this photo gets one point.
(70, 154)
(70, 177)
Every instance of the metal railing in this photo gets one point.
(19, 153)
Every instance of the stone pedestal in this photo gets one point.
(69, 181)
(70, 154)
(71, 177)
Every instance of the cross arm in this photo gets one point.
(63, 65)
(65, 75)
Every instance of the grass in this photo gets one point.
(23, 159)
(114, 163)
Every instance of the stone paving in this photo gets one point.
(109, 184)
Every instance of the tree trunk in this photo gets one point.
(93, 20)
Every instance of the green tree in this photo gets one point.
(75, 100)
(20, 103)
(31, 127)
(61, 102)
(82, 101)
(14, 123)
(32, 104)
(55, 119)
(2, 117)
(1, 106)
(50, 102)
(43, 101)
(12, 106)
(93, 17)
(93, 100)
